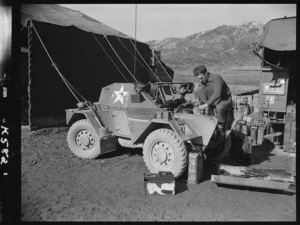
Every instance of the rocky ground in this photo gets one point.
(58, 186)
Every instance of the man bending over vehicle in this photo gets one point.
(215, 93)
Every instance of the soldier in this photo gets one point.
(214, 92)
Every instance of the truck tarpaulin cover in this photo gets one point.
(68, 37)
(280, 34)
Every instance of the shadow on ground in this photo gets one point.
(262, 153)
(122, 151)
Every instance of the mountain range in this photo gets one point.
(224, 47)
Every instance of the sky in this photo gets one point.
(159, 21)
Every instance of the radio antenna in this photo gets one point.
(134, 61)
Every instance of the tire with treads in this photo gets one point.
(164, 151)
(83, 141)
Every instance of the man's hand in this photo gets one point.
(194, 100)
(204, 106)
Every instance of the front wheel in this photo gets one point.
(83, 141)
(164, 151)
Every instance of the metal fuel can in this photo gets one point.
(267, 130)
(253, 134)
(238, 126)
(195, 168)
(260, 135)
(245, 129)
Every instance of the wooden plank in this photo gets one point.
(265, 174)
(273, 174)
(250, 182)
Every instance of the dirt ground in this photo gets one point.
(58, 186)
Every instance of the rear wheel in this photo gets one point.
(164, 151)
(83, 140)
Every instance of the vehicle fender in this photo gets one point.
(72, 115)
(154, 125)
(198, 129)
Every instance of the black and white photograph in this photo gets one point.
(151, 112)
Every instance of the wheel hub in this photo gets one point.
(85, 140)
(162, 155)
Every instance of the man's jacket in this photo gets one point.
(214, 90)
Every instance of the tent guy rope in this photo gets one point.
(144, 61)
(120, 59)
(136, 50)
(149, 70)
(109, 57)
(148, 65)
(158, 60)
(69, 86)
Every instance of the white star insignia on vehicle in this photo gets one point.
(120, 95)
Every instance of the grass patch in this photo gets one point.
(246, 78)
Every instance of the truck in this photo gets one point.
(276, 117)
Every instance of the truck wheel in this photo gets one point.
(164, 151)
(83, 140)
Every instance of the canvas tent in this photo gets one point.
(87, 53)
